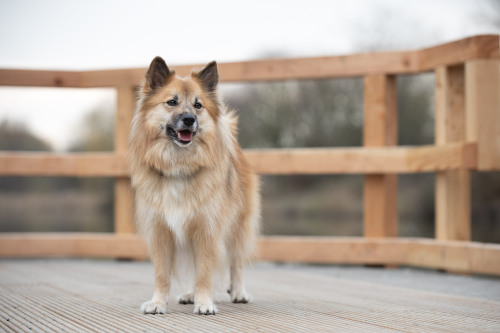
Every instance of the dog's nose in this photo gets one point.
(188, 119)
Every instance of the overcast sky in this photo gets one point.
(91, 34)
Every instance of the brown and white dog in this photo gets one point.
(196, 198)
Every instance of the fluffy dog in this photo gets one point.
(196, 197)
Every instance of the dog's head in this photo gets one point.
(178, 126)
(180, 109)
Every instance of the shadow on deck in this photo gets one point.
(104, 296)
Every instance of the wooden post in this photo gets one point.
(380, 129)
(482, 82)
(124, 215)
(452, 187)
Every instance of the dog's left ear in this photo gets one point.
(209, 76)
(157, 73)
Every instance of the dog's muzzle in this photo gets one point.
(183, 129)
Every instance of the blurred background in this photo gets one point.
(71, 35)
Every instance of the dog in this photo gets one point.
(197, 199)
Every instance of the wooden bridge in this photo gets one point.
(104, 295)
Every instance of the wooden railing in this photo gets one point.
(467, 125)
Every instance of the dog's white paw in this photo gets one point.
(205, 308)
(186, 298)
(240, 296)
(154, 307)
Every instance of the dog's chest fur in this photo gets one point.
(181, 202)
(178, 205)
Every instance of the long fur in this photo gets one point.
(195, 205)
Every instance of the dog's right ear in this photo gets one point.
(157, 74)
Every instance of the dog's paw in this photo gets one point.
(240, 296)
(154, 307)
(186, 298)
(205, 308)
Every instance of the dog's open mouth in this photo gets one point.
(183, 137)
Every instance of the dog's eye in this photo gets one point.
(172, 102)
(198, 105)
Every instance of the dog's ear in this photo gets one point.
(157, 74)
(209, 76)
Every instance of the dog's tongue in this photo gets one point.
(185, 135)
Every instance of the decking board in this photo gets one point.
(105, 295)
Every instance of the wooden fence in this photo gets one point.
(467, 127)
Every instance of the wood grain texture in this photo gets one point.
(458, 52)
(371, 160)
(97, 245)
(380, 111)
(380, 210)
(123, 207)
(104, 296)
(452, 187)
(39, 78)
(63, 164)
(402, 62)
(123, 200)
(467, 257)
(483, 111)
(380, 217)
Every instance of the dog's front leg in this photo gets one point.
(161, 250)
(206, 261)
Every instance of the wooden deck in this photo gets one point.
(104, 296)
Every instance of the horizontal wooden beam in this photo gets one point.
(456, 256)
(39, 78)
(458, 52)
(95, 245)
(466, 257)
(112, 78)
(63, 164)
(360, 160)
(404, 62)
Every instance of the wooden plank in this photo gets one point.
(455, 256)
(483, 111)
(458, 52)
(123, 207)
(95, 296)
(63, 164)
(466, 257)
(108, 246)
(320, 67)
(353, 250)
(403, 62)
(450, 105)
(38, 244)
(380, 111)
(362, 160)
(452, 187)
(469, 257)
(124, 201)
(451, 156)
(275, 69)
(113, 77)
(453, 205)
(99, 245)
(264, 161)
(39, 78)
(380, 129)
(380, 210)
(328, 160)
